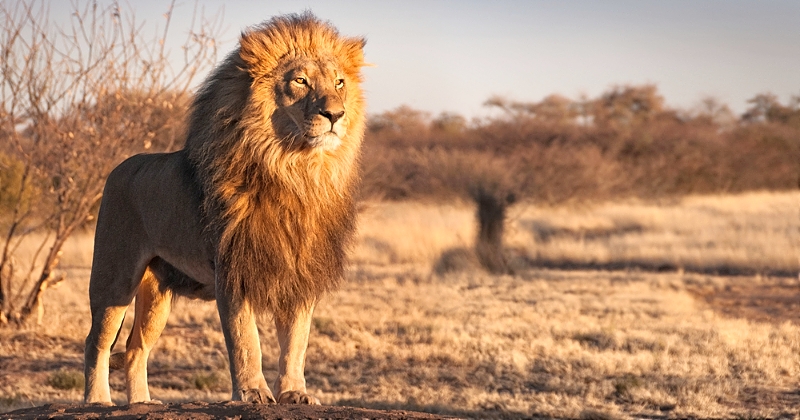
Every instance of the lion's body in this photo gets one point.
(255, 211)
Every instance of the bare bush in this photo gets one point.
(624, 143)
(74, 102)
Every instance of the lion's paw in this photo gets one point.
(153, 402)
(258, 396)
(297, 397)
(99, 404)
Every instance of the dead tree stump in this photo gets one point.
(491, 226)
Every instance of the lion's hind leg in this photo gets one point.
(153, 304)
(109, 298)
(105, 325)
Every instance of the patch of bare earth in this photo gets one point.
(773, 300)
(766, 300)
(204, 410)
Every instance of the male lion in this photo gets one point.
(255, 211)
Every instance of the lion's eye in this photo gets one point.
(300, 81)
(339, 83)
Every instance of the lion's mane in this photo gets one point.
(282, 215)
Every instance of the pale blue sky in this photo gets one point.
(452, 55)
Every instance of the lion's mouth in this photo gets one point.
(326, 141)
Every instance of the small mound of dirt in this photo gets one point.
(204, 410)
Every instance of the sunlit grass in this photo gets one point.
(592, 344)
(754, 233)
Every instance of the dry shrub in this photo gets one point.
(624, 143)
(209, 381)
(77, 100)
(66, 379)
(456, 260)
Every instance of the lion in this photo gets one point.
(255, 212)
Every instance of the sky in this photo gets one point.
(452, 55)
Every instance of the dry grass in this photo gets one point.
(592, 344)
(752, 233)
(402, 233)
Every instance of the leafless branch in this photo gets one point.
(74, 102)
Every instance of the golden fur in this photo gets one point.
(287, 218)
(255, 212)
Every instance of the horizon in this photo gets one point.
(451, 56)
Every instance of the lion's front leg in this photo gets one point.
(293, 331)
(244, 350)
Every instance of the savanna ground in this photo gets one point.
(663, 309)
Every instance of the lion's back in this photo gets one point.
(154, 198)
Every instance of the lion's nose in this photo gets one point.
(331, 115)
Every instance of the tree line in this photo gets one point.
(624, 143)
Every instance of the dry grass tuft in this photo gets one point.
(210, 381)
(66, 379)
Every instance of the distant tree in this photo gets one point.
(402, 120)
(449, 123)
(508, 106)
(556, 109)
(623, 106)
(552, 109)
(766, 108)
(493, 183)
(711, 111)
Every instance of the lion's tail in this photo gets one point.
(117, 361)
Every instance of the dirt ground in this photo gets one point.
(775, 301)
(204, 410)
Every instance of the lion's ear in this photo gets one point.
(255, 51)
(353, 52)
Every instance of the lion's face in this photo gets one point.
(311, 103)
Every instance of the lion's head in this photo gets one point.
(310, 97)
(313, 82)
(302, 82)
